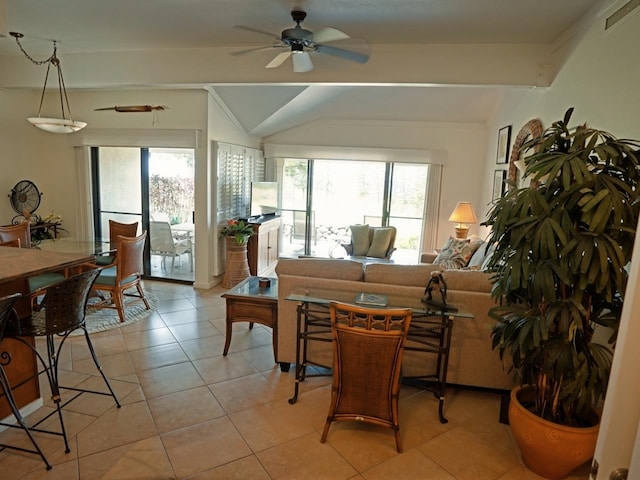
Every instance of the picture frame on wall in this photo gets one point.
(499, 176)
(504, 139)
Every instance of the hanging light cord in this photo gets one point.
(53, 59)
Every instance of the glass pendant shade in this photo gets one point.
(64, 124)
(56, 125)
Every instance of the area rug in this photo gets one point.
(101, 319)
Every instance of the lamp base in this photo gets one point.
(462, 232)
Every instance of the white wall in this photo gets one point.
(599, 79)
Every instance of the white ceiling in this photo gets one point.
(82, 26)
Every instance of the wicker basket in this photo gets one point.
(237, 268)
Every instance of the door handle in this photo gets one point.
(619, 474)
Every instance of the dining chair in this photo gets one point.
(20, 231)
(63, 312)
(162, 242)
(7, 314)
(20, 236)
(126, 274)
(116, 229)
(11, 243)
(368, 345)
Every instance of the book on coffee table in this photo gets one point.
(371, 299)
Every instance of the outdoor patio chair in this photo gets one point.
(163, 242)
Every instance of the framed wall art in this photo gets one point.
(504, 138)
(499, 177)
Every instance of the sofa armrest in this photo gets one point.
(428, 257)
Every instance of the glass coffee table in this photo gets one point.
(429, 333)
(251, 301)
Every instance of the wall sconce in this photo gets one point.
(53, 125)
(463, 215)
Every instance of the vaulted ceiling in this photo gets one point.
(108, 29)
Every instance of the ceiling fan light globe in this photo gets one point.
(56, 125)
(301, 62)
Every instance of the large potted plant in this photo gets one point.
(558, 272)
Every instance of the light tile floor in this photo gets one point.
(190, 413)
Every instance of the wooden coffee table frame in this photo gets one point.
(247, 302)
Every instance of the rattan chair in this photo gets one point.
(20, 231)
(20, 236)
(116, 229)
(368, 344)
(64, 311)
(8, 314)
(11, 243)
(125, 275)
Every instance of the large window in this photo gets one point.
(322, 198)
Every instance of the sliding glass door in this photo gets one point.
(154, 187)
(322, 198)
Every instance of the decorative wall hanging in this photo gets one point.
(531, 129)
(504, 136)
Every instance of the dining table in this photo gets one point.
(16, 266)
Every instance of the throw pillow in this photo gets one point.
(487, 257)
(380, 243)
(454, 254)
(477, 259)
(474, 243)
(360, 239)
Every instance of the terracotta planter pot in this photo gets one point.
(551, 450)
(237, 267)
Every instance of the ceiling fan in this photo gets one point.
(298, 43)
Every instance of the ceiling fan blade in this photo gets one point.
(302, 62)
(343, 53)
(278, 60)
(329, 34)
(257, 30)
(256, 49)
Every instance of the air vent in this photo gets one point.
(622, 12)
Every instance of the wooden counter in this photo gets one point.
(16, 266)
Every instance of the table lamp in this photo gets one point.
(463, 215)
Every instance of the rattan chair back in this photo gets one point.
(128, 273)
(368, 346)
(66, 301)
(11, 243)
(129, 259)
(21, 232)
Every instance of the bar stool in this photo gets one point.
(64, 311)
(8, 314)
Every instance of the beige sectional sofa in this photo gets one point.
(471, 360)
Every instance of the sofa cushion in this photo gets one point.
(360, 239)
(380, 243)
(321, 268)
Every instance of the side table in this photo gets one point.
(248, 302)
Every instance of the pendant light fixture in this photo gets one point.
(64, 124)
